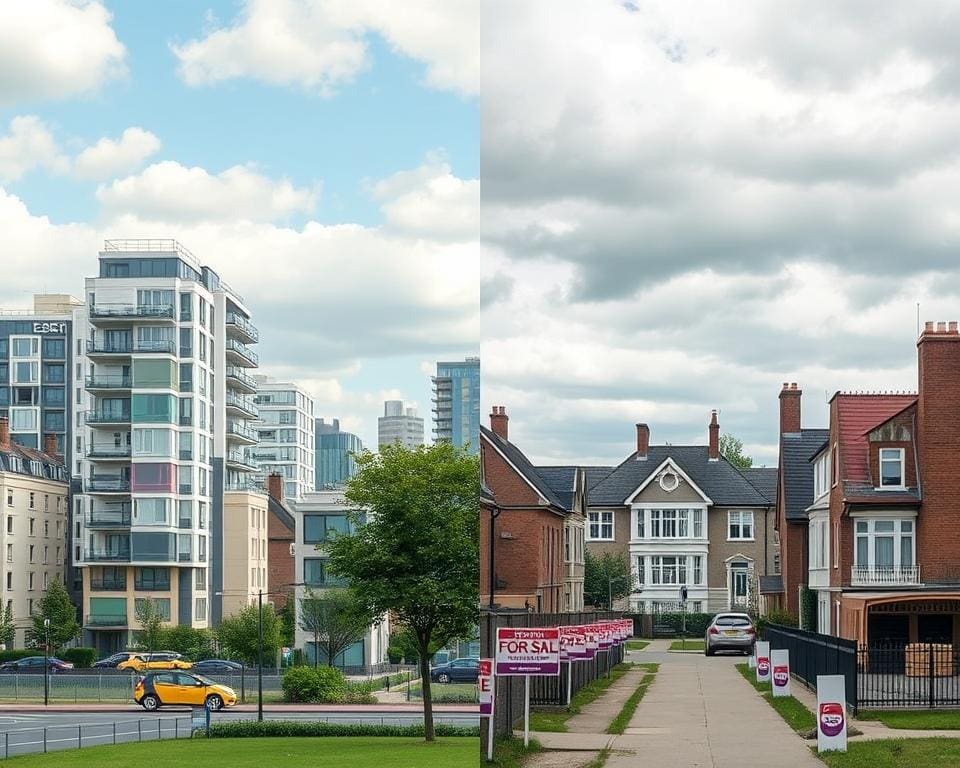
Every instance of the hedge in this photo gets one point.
(309, 685)
(82, 658)
(697, 623)
(18, 653)
(284, 728)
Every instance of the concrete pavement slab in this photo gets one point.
(597, 715)
(570, 742)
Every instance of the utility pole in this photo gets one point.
(260, 656)
(46, 662)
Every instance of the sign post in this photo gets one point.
(831, 714)
(780, 663)
(485, 684)
(763, 661)
(683, 611)
(527, 651)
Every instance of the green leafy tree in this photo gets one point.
(8, 630)
(56, 606)
(288, 622)
(415, 554)
(732, 450)
(335, 618)
(194, 644)
(238, 635)
(150, 634)
(606, 577)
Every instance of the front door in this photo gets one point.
(739, 590)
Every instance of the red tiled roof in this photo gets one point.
(858, 414)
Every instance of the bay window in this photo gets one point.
(884, 544)
(672, 570)
(679, 523)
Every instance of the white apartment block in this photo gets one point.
(165, 441)
(399, 424)
(286, 436)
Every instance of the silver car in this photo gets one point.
(730, 632)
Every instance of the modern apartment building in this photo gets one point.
(33, 534)
(286, 435)
(399, 424)
(166, 438)
(334, 454)
(456, 403)
(319, 516)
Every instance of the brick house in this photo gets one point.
(538, 529)
(882, 533)
(281, 534)
(684, 515)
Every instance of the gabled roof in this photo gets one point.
(764, 479)
(796, 471)
(17, 458)
(562, 481)
(857, 415)
(522, 464)
(719, 480)
(596, 474)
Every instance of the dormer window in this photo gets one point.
(891, 468)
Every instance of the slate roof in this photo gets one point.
(764, 479)
(719, 480)
(562, 481)
(516, 457)
(797, 470)
(858, 492)
(596, 474)
(16, 458)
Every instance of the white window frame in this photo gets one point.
(903, 469)
(34, 348)
(871, 535)
(740, 516)
(17, 409)
(685, 520)
(819, 542)
(821, 476)
(598, 518)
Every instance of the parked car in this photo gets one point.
(157, 689)
(144, 662)
(456, 671)
(730, 632)
(34, 665)
(217, 667)
(111, 662)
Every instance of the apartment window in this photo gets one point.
(202, 521)
(320, 528)
(740, 526)
(316, 573)
(30, 606)
(33, 520)
(9, 553)
(186, 342)
(151, 511)
(59, 556)
(46, 578)
(891, 468)
(152, 579)
(200, 611)
(186, 307)
(884, 544)
(153, 442)
(9, 523)
(9, 500)
(46, 555)
(698, 569)
(161, 604)
(200, 579)
(30, 579)
(819, 543)
(668, 570)
(25, 346)
(26, 373)
(601, 526)
(821, 476)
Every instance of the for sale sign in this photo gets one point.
(576, 643)
(592, 638)
(604, 635)
(763, 661)
(780, 671)
(528, 651)
(831, 714)
(485, 685)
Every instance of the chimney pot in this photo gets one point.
(790, 408)
(499, 421)
(643, 441)
(4, 433)
(928, 327)
(952, 326)
(50, 445)
(941, 327)
(713, 451)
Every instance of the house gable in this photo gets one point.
(657, 486)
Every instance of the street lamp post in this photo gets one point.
(46, 662)
(494, 514)
(260, 656)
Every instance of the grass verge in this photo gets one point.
(927, 720)
(686, 645)
(447, 693)
(556, 722)
(510, 753)
(896, 753)
(348, 752)
(796, 715)
(622, 720)
(600, 760)
(637, 645)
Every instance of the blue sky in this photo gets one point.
(384, 120)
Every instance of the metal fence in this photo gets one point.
(913, 675)
(78, 736)
(812, 654)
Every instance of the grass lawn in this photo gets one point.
(897, 753)
(556, 722)
(342, 752)
(688, 644)
(509, 753)
(621, 721)
(921, 720)
(637, 645)
(447, 692)
(792, 711)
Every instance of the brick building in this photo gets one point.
(281, 535)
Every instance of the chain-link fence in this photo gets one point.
(51, 738)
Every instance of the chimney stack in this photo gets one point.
(790, 408)
(643, 441)
(498, 421)
(714, 450)
(50, 445)
(4, 433)
(275, 486)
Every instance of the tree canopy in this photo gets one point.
(732, 450)
(335, 618)
(238, 634)
(606, 576)
(56, 606)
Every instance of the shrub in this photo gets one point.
(357, 697)
(17, 653)
(285, 728)
(81, 658)
(394, 654)
(697, 623)
(309, 685)
(782, 618)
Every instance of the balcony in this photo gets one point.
(241, 434)
(106, 485)
(884, 576)
(241, 381)
(108, 452)
(107, 418)
(106, 620)
(103, 349)
(243, 329)
(240, 354)
(246, 486)
(111, 383)
(108, 585)
(236, 460)
(239, 406)
(106, 556)
(124, 313)
(116, 517)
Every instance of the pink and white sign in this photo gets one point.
(576, 643)
(528, 651)
(780, 671)
(485, 683)
(604, 635)
(831, 714)
(763, 661)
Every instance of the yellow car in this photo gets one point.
(145, 662)
(158, 689)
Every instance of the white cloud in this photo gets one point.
(29, 145)
(54, 49)
(109, 158)
(168, 191)
(320, 45)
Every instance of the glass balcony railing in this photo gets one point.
(243, 351)
(243, 326)
(106, 485)
(243, 432)
(106, 620)
(240, 378)
(123, 311)
(127, 347)
(108, 451)
(108, 417)
(109, 518)
(108, 585)
(117, 381)
(243, 404)
(106, 556)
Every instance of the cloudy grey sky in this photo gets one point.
(686, 204)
